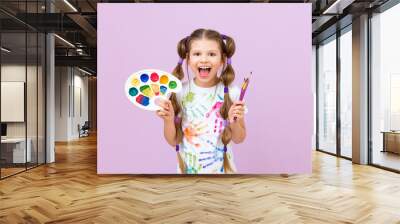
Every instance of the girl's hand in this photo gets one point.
(167, 110)
(236, 110)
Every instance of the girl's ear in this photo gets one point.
(187, 56)
(222, 65)
(223, 60)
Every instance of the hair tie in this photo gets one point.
(180, 61)
(226, 90)
(229, 61)
(177, 119)
(226, 123)
(225, 148)
(224, 37)
(177, 148)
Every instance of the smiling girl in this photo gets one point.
(199, 121)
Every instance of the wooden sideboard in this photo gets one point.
(391, 141)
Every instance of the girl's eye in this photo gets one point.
(196, 54)
(212, 54)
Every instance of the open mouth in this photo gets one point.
(204, 71)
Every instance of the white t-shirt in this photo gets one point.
(202, 149)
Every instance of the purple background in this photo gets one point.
(272, 40)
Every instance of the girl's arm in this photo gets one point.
(238, 126)
(170, 132)
(167, 114)
(238, 131)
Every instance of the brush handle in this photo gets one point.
(243, 91)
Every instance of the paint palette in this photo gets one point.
(145, 87)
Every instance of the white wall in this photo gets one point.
(61, 103)
(71, 102)
(16, 73)
(80, 110)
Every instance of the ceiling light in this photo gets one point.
(5, 49)
(64, 40)
(337, 7)
(70, 5)
(86, 72)
(331, 7)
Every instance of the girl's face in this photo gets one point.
(205, 59)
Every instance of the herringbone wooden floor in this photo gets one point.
(70, 191)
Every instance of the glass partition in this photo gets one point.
(22, 77)
(13, 105)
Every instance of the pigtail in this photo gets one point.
(227, 77)
(178, 72)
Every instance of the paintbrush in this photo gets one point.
(243, 89)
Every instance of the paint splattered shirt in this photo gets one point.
(202, 149)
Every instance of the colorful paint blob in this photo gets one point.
(156, 89)
(154, 77)
(163, 89)
(135, 82)
(144, 88)
(144, 78)
(146, 91)
(143, 100)
(164, 79)
(133, 91)
(172, 85)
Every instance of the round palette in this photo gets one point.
(145, 87)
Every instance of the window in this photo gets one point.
(346, 93)
(385, 88)
(327, 95)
